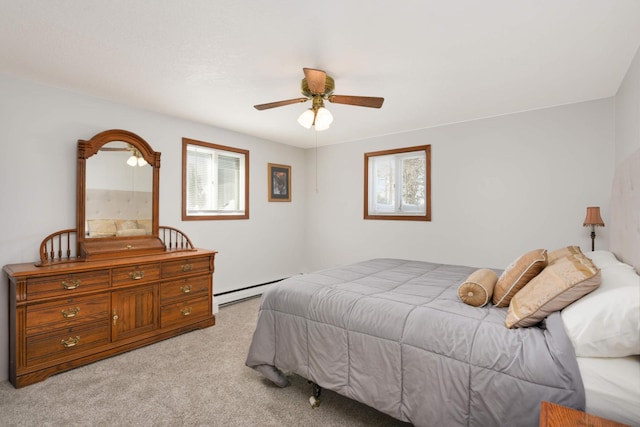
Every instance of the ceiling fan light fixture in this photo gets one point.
(133, 160)
(318, 87)
(141, 161)
(306, 118)
(324, 118)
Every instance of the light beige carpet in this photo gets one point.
(196, 379)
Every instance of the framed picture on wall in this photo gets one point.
(279, 183)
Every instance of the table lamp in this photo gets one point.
(593, 219)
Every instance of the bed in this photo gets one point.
(395, 335)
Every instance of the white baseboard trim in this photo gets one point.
(238, 295)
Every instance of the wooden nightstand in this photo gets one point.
(554, 415)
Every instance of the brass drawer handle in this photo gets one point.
(72, 312)
(72, 284)
(137, 275)
(187, 267)
(185, 289)
(70, 342)
(186, 311)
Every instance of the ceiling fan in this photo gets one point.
(318, 86)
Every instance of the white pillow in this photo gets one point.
(604, 259)
(606, 322)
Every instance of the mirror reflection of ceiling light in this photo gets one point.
(136, 159)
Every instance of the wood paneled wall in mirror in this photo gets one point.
(118, 196)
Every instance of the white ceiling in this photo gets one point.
(434, 61)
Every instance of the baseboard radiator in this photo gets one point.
(230, 297)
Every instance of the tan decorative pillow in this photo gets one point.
(126, 224)
(478, 288)
(145, 224)
(560, 284)
(518, 274)
(101, 227)
(553, 256)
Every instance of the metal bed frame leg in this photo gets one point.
(315, 399)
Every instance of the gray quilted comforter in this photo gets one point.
(394, 335)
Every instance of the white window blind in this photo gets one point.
(214, 181)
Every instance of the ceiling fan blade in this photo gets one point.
(316, 80)
(361, 101)
(279, 103)
(114, 149)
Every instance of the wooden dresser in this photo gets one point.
(66, 315)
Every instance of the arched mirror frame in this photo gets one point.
(89, 148)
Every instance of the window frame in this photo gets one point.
(186, 142)
(426, 216)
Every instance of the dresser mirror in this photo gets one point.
(118, 192)
(118, 187)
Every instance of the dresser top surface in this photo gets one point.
(32, 269)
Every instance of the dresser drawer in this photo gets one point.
(70, 312)
(66, 342)
(185, 266)
(184, 311)
(66, 284)
(135, 273)
(178, 289)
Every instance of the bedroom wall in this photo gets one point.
(628, 112)
(500, 187)
(40, 128)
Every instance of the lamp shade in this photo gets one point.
(133, 160)
(324, 118)
(593, 217)
(306, 118)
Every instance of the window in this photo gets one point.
(215, 181)
(398, 184)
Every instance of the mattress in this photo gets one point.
(612, 387)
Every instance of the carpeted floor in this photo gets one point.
(196, 379)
